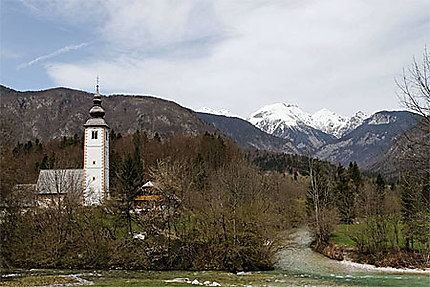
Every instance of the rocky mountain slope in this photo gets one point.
(247, 135)
(271, 118)
(362, 139)
(59, 112)
(411, 152)
(290, 122)
(371, 139)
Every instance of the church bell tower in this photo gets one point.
(96, 155)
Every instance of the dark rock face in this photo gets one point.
(306, 138)
(371, 139)
(247, 135)
(410, 152)
(58, 112)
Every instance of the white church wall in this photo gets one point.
(106, 165)
(95, 165)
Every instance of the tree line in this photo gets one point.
(220, 211)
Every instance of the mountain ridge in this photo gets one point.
(269, 117)
(54, 113)
(364, 138)
(58, 112)
(371, 139)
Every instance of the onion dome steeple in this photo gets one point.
(97, 112)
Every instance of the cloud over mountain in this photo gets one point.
(340, 54)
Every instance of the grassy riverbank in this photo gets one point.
(391, 256)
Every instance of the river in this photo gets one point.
(297, 265)
(299, 261)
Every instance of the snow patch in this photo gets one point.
(221, 112)
(382, 119)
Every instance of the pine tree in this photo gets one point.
(345, 196)
(355, 176)
(130, 179)
(380, 193)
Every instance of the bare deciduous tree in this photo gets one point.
(414, 86)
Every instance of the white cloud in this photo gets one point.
(53, 54)
(240, 55)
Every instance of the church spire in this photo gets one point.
(97, 111)
(97, 85)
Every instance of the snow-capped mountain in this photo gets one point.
(247, 135)
(353, 122)
(272, 117)
(335, 124)
(330, 136)
(221, 112)
(290, 122)
(371, 139)
(329, 122)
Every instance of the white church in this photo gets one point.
(90, 185)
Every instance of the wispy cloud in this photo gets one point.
(53, 54)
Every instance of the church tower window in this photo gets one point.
(94, 135)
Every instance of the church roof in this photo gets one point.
(59, 181)
(96, 122)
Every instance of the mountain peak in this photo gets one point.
(221, 112)
(287, 114)
(272, 117)
(329, 122)
(361, 115)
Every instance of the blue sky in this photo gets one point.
(238, 55)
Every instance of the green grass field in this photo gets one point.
(341, 237)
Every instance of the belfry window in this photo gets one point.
(94, 135)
